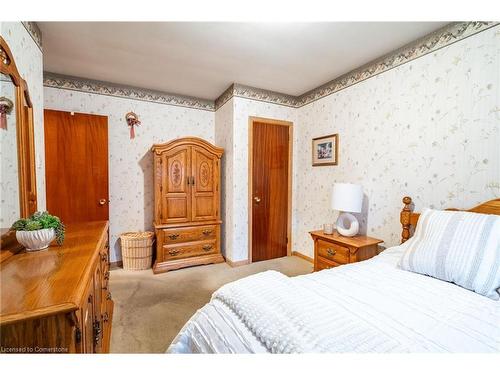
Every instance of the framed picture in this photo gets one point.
(325, 150)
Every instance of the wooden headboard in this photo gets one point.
(409, 218)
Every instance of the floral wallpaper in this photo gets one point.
(224, 138)
(9, 173)
(429, 129)
(130, 161)
(29, 62)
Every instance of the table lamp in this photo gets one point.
(347, 198)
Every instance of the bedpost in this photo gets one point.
(405, 219)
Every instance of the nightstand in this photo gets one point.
(332, 250)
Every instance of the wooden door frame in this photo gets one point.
(251, 121)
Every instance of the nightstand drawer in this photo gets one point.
(333, 252)
(323, 264)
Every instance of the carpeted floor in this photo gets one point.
(151, 309)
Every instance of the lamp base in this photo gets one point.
(352, 227)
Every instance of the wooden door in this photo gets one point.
(76, 166)
(204, 185)
(270, 174)
(175, 193)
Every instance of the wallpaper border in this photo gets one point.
(34, 31)
(110, 89)
(254, 93)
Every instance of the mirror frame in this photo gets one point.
(25, 145)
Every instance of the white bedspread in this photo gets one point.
(370, 306)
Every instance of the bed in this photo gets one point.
(368, 307)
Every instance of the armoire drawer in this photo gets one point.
(171, 252)
(189, 234)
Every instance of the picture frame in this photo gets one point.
(325, 150)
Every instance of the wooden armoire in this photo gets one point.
(187, 203)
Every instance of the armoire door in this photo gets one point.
(76, 168)
(270, 194)
(175, 192)
(204, 185)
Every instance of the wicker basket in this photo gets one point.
(137, 250)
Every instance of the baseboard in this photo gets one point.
(115, 265)
(305, 257)
(237, 263)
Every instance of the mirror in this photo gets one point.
(9, 179)
(17, 151)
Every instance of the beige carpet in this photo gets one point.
(151, 309)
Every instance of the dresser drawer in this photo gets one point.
(333, 252)
(323, 264)
(171, 252)
(188, 234)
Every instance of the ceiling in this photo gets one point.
(202, 59)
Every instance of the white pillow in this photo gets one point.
(456, 246)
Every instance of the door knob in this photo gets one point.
(102, 202)
(256, 199)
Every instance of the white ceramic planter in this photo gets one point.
(36, 239)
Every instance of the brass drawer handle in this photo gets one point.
(206, 232)
(104, 257)
(207, 247)
(106, 275)
(97, 332)
(173, 236)
(331, 252)
(173, 252)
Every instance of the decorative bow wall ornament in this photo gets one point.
(132, 120)
(6, 106)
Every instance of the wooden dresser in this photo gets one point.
(187, 203)
(57, 300)
(331, 250)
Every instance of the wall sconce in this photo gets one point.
(132, 120)
(6, 106)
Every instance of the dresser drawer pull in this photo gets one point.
(104, 257)
(173, 236)
(206, 232)
(97, 332)
(173, 252)
(331, 252)
(207, 247)
(106, 275)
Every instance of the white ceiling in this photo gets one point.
(203, 59)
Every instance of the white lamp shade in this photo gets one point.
(347, 197)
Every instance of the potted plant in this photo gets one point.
(38, 231)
